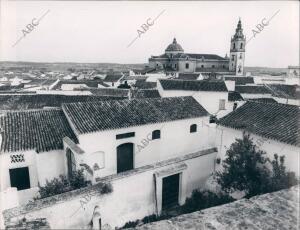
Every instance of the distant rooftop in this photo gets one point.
(241, 80)
(190, 85)
(24, 101)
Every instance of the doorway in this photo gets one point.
(170, 191)
(124, 157)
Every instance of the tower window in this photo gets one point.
(233, 45)
(175, 66)
(187, 65)
(241, 56)
(241, 47)
(240, 69)
(232, 58)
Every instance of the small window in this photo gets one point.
(232, 58)
(223, 66)
(202, 66)
(222, 104)
(241, 56)
(19, 178)
(233, 45)
(175, 65)
(193, 128)
(241, 47)
(187, 65)
(213, 66)
(156, 134)
(125, 135)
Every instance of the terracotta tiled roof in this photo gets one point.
(110, 92)
(263, 100)
(39, 101)
(105, 115)
(285, 91)
(142, 84)
(272, 120)
(252, 89)
(240, 80)
(112, 77)
(147, 93)
(40, 130)
(234, 96)
(218, 86)
(188, 76)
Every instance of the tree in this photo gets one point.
(244, 168)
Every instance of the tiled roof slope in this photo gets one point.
(40, 130)
(241, 80)
(147, 93)
(188, 76)
(252, 89)
(143, 84)
(234, 96)
(217, 86)
(272, 120)
(39, 101)
(285, 91)
(109, 92)
(277, 210)
(263, 100)
(105, 115)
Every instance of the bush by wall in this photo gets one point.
(62, 184)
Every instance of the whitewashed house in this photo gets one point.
(32, 149)
(212, 95)
(274, 128)
(128, 134)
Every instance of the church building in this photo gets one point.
(176, 60)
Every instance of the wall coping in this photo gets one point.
(95, 189)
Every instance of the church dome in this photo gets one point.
(174, 47)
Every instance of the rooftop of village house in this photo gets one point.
(277, 210)
(190, 85)
(271, 120)
(39, 101)
(240, 80)
(39, 130)
(105, 115)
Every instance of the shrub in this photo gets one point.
(62, 184)
(280, 178)
(204, 199)
(106, 188)
(77, 179)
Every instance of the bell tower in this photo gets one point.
(237, 51)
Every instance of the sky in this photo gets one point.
(100, 32)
